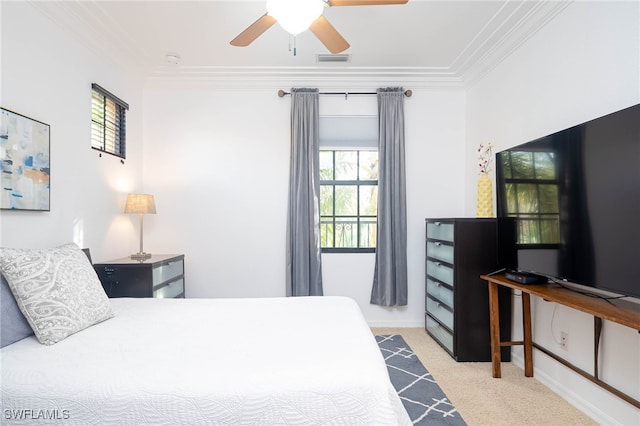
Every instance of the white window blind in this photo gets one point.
(349, 132)
(108, 122)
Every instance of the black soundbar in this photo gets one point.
(525, 277)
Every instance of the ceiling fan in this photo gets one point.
(296, 16)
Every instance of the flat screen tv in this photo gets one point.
(575, 197)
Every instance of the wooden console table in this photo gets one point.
(600, 309)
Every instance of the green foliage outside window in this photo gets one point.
(532, 195)
(348, 199)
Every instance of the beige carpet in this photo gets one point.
(483, 400)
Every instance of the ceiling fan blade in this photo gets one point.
(365, 2)
(254, 31)
(328, 35)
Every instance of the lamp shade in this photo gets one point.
(140, 203)
(295, 16)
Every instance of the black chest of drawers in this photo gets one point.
(458, 251)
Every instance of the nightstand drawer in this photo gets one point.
(440, 251)
(440, 231)
(440, 312)
(171, 290)
(440, 272)
(440, 292)
(167, 271)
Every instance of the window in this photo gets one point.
(348, 184)
(348, 200)
(108, 122)
(532, 195)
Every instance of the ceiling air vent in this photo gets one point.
(340, 57)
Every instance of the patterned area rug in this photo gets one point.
(422, 397)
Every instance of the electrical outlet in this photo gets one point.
(564, 337)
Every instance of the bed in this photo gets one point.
(302, 361)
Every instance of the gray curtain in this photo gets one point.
(304, 272)
(390, 276)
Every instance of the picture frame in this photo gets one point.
(25, 166)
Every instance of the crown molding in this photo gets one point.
(511, 26)
(252, 77)
(88, 23)
(523, 23)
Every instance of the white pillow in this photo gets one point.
(57, 290)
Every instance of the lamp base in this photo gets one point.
(140, 256)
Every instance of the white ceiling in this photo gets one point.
(443, 42)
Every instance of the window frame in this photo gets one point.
(99, 140)
(358, 183)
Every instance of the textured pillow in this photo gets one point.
(56, 289)
(14, 325)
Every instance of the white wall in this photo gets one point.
(218, 163)
(47, 75)
(582, 65)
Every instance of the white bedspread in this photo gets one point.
(287, 361)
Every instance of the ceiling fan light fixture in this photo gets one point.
(295, 16)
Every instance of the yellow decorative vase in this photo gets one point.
(485, 196)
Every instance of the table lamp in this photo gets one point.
(141, 204)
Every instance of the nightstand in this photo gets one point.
(160, 276)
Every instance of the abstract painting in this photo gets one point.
(24, 162)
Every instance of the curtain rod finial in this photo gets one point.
(281, 93)
(408, 93)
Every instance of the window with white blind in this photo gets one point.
(108, 122)
(348, 183)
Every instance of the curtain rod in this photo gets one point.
(282, 93)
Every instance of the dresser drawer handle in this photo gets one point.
(438, 243)
(438, 264)
(438, 223)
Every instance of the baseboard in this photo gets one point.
(395, 324)
(566, 393)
